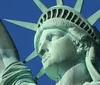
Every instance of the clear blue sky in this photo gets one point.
(26, 10)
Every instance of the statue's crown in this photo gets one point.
(71, 15)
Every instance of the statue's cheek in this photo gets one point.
(63, 49)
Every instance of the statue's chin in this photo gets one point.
(53, 72)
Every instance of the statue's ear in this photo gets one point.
(87, 42)
(84, 44)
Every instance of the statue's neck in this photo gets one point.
(57, 70)
(67, 65)
(63, 68)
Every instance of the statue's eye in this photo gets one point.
(55, 38)
(52, 37)
(49, 37)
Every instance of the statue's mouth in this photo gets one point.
(45, 59)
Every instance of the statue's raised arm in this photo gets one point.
(12, 71)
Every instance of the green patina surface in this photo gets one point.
(66, 42)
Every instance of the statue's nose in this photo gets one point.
(43, 48)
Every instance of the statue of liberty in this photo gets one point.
(68, 44)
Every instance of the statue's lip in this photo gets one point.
(44, 60)
(45, 57)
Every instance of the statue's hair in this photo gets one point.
(77, 33)
(80, 39)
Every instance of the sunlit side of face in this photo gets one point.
(55, 47)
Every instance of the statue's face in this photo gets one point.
(55, 47)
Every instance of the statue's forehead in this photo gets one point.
(53, 31)
(50, 32)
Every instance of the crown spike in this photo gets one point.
(78, 5)
(93, 18)
(28, 25)
(59, 2)
(40, 74)
(30, 57)
(41, 6)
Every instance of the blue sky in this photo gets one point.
(26, 10)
